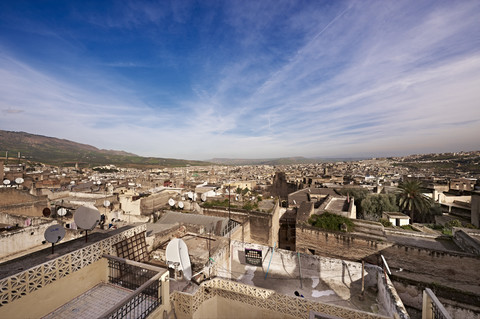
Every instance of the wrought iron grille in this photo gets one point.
(145, 284)
(140, 305)
(128, 276)
(437, 312)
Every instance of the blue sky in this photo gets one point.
(244, 79)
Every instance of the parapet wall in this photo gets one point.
(444, 264)
(466, 240)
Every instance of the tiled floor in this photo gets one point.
(91, 304)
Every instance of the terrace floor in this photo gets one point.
(91, 304)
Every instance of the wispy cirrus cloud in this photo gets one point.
(256, 79)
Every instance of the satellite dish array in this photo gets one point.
(85, 217)
(172, 203)
(17, 181)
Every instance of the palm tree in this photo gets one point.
(411, 198)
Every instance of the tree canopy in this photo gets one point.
(375, 204)
(412, 200)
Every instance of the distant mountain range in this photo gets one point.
(278, 161)
(55, 151)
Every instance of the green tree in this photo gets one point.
(359, 194)
(412, 200)
(375, 204)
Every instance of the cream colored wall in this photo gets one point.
(129, 206)
(233, 309)
(165, 293)
(22, 239)
(45, 300)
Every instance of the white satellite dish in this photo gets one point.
(106, 203)
(203, 197)
(19, 180)
(86, 217)
(99, 182)
(6, 182)
(180, 205)
(190, 195)
(54, 233)
(62, 212)
(177, 254)
(72, 183)
(171, 202)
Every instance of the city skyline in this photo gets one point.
(244, 80)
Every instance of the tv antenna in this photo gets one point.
(54, 234)
(86, 218)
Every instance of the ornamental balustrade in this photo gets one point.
(16, 286)
(432, 307)
(186, 304)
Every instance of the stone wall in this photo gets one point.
(449, 269)
(22, 203)
(262, 227)
(14, 219)
(466, 240)
(21, 239)
(475, 209)
(411, 293)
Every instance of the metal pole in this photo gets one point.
(363, 277)
(300, 269)
(271, 256)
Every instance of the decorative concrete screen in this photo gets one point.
(37, 277)
(253, 257)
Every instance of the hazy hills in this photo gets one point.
(278, 161)
(55, 151)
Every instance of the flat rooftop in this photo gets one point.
(33, 259)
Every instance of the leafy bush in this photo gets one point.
(216, 203)
(408, 227)
(330, 221)
(386, 223)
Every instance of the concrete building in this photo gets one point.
(396, 218)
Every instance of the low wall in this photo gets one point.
(466, 240)
(13, 219)
(41, 302)
(220, 298)
(22, 239)
(453, 300)
(446, 268)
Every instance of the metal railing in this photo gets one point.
(143, 279)
(432, 307)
